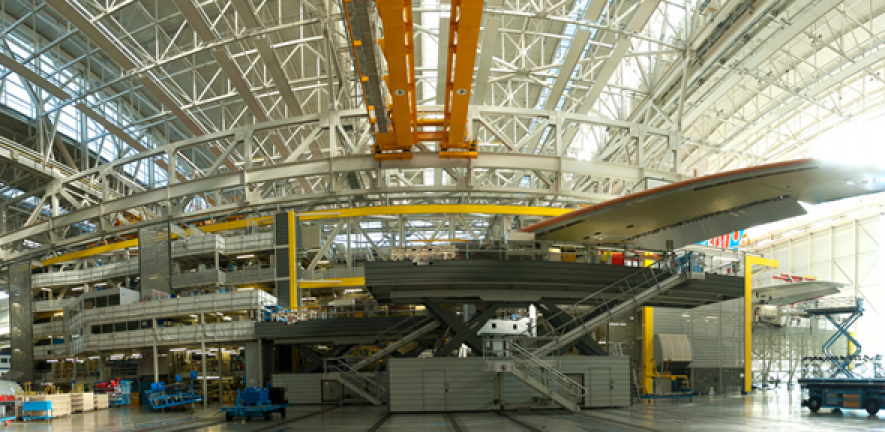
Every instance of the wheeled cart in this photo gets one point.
(266, 411)
(255, 402)
(842, 393)
(37, 410)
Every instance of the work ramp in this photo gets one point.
(602, 306)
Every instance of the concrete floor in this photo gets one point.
(775, 410)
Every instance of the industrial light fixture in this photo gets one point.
(246, 256)
(51, 361)
(58, 314)
(45, 289)
(246, 289)
(79, 288)
(353, 290)
(101, 284)
(94, 358)
(194, 316)
(178, 349)
(219, 313)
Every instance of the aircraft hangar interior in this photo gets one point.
(442, 215)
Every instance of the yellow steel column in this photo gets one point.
(749, 261)
(294, 296)
(648, 360)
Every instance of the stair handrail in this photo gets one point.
(341, 366)
(412, 323)
(561, 381)
(673, 266)
(534, 365)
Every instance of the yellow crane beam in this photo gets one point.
(399, 50)
(363, 44)
(466, 17)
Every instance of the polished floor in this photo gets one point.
(774, 410)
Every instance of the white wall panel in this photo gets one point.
(848, 251)
(471, 388)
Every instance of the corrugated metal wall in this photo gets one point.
(844, 249)
(155, 259)
(21, 319)
(717, 341)
(419, 385)
(281, 258)
(715, 331)
(306, 388)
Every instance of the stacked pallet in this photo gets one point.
(82, 402)
(61, 403)
(101, 401)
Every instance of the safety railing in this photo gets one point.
(248, 275)
(603, 305)
(175, 307)
(54, 305)
(624, 290)
(94, 274)
(533, 366)
(403, 328)
(335, 273)
(339, 366)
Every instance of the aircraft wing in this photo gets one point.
(697, 209)
(796, 291)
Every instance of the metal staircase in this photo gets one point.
(400, 335)
(602, 306)
(509, 356)
(337, 369)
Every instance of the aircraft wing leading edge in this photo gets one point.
(697, 209)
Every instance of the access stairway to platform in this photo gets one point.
(337, 369)
(602, 306)
(399, 335)
(509, 356)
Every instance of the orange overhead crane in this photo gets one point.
(391, 99)
(464, 25)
